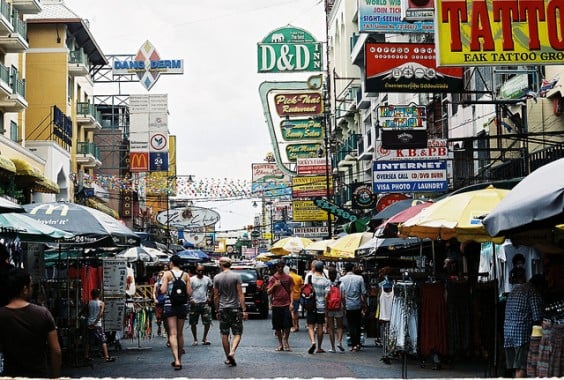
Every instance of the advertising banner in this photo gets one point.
(410, 176)
(408, 67)
(297, 151)
(269, 180)
(139, 161)
(301, 129)
(314, 186)
(504, 33)
(311, 232)
(402, 117)
(385, 16)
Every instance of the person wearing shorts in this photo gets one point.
(199, 304)
(280, 287)
(229, 302)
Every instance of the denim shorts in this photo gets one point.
(178, 311)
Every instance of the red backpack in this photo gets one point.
(334, 298)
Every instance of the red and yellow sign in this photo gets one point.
(499, 32)
(299, 104)
(139, 161)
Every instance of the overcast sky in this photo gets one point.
(215, 110)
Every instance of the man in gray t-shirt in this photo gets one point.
(200, 304)
(353, 294)
(230, 305)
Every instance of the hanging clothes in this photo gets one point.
(433, 336)
(404, 320)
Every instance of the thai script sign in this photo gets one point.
(402, 117)
(498, 32)
(385, 16)
(148, 66)
(298, 104)
(410, 176)
(406, 67)
(289, 49)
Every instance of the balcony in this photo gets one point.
(29, 7)
(12, 91)
(88, 116)
(78, 63)
(87, 155)
(13, 30)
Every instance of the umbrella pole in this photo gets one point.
(496, 289)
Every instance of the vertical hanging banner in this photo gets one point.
(498, 32)
(289, 49)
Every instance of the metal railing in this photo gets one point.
(88, 148)
(78, 57)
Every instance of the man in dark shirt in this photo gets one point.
(27, 332)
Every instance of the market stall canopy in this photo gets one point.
(9, 206)
(264, 256)
(29, 229)
(29, 176)
(320, 247)
(193, 255)
(345, 247)
(377, 244)
(291, 244)
(390, 227)
(397, 207)
(144, 254)
(90, 226)
(458, 216)
(538, 198)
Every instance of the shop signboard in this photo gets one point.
(312, 166)
(385, 16)
(147, 65)
(289, 49)
(310, 186)
(402, 117)
(187, 218)
(435, 149)
(500, 33)
(297, 151)
(114, 313)
(307, 211)
(269, 181)
(417, 10)
(515, 88)
(301, 129)
(408, 67)
(363, 196)
(114, 274)
(298, 103)
(311, 232)
(410, 176)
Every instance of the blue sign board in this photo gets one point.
(421, 176)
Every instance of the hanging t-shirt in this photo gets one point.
(385, 300)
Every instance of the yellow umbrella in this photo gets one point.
(345, 247)
(292, 244)
(320, 247)
(265, 256)
(459, 216)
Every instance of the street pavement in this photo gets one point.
(256, 358)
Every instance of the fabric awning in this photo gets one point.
(45, 185)
(7, 165)
(102, 207)
(24, 169)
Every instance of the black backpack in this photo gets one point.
(178, 294)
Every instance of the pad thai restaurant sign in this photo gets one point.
(405, 67)
(289, 49)
(499, 32)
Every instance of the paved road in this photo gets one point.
(256, 358)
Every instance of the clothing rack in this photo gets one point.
(139, 316)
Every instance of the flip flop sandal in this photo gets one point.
(110, 359)
(195, 343)
(279, 349)
(311, 349)
(232, 362)
(206, 343)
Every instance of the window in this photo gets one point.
(14, 135)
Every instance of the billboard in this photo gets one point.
(408, 67)
(410, 176)
(402, 117)
(490, 32)
(312, 186)
(385, 16)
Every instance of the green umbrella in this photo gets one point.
(29, 229)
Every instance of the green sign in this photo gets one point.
(296, 151)
(302, 129)
(255, 234)
(289, 49)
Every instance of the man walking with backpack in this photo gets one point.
(334, 307)
(176, 286)
(353, 294)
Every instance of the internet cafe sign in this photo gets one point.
(148, 66)
(289, 49)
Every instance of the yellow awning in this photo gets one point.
(45, 185)
(23, 168)
(7, 165)
(102, 207)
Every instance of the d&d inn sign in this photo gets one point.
(148, 66)
(289, 49)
